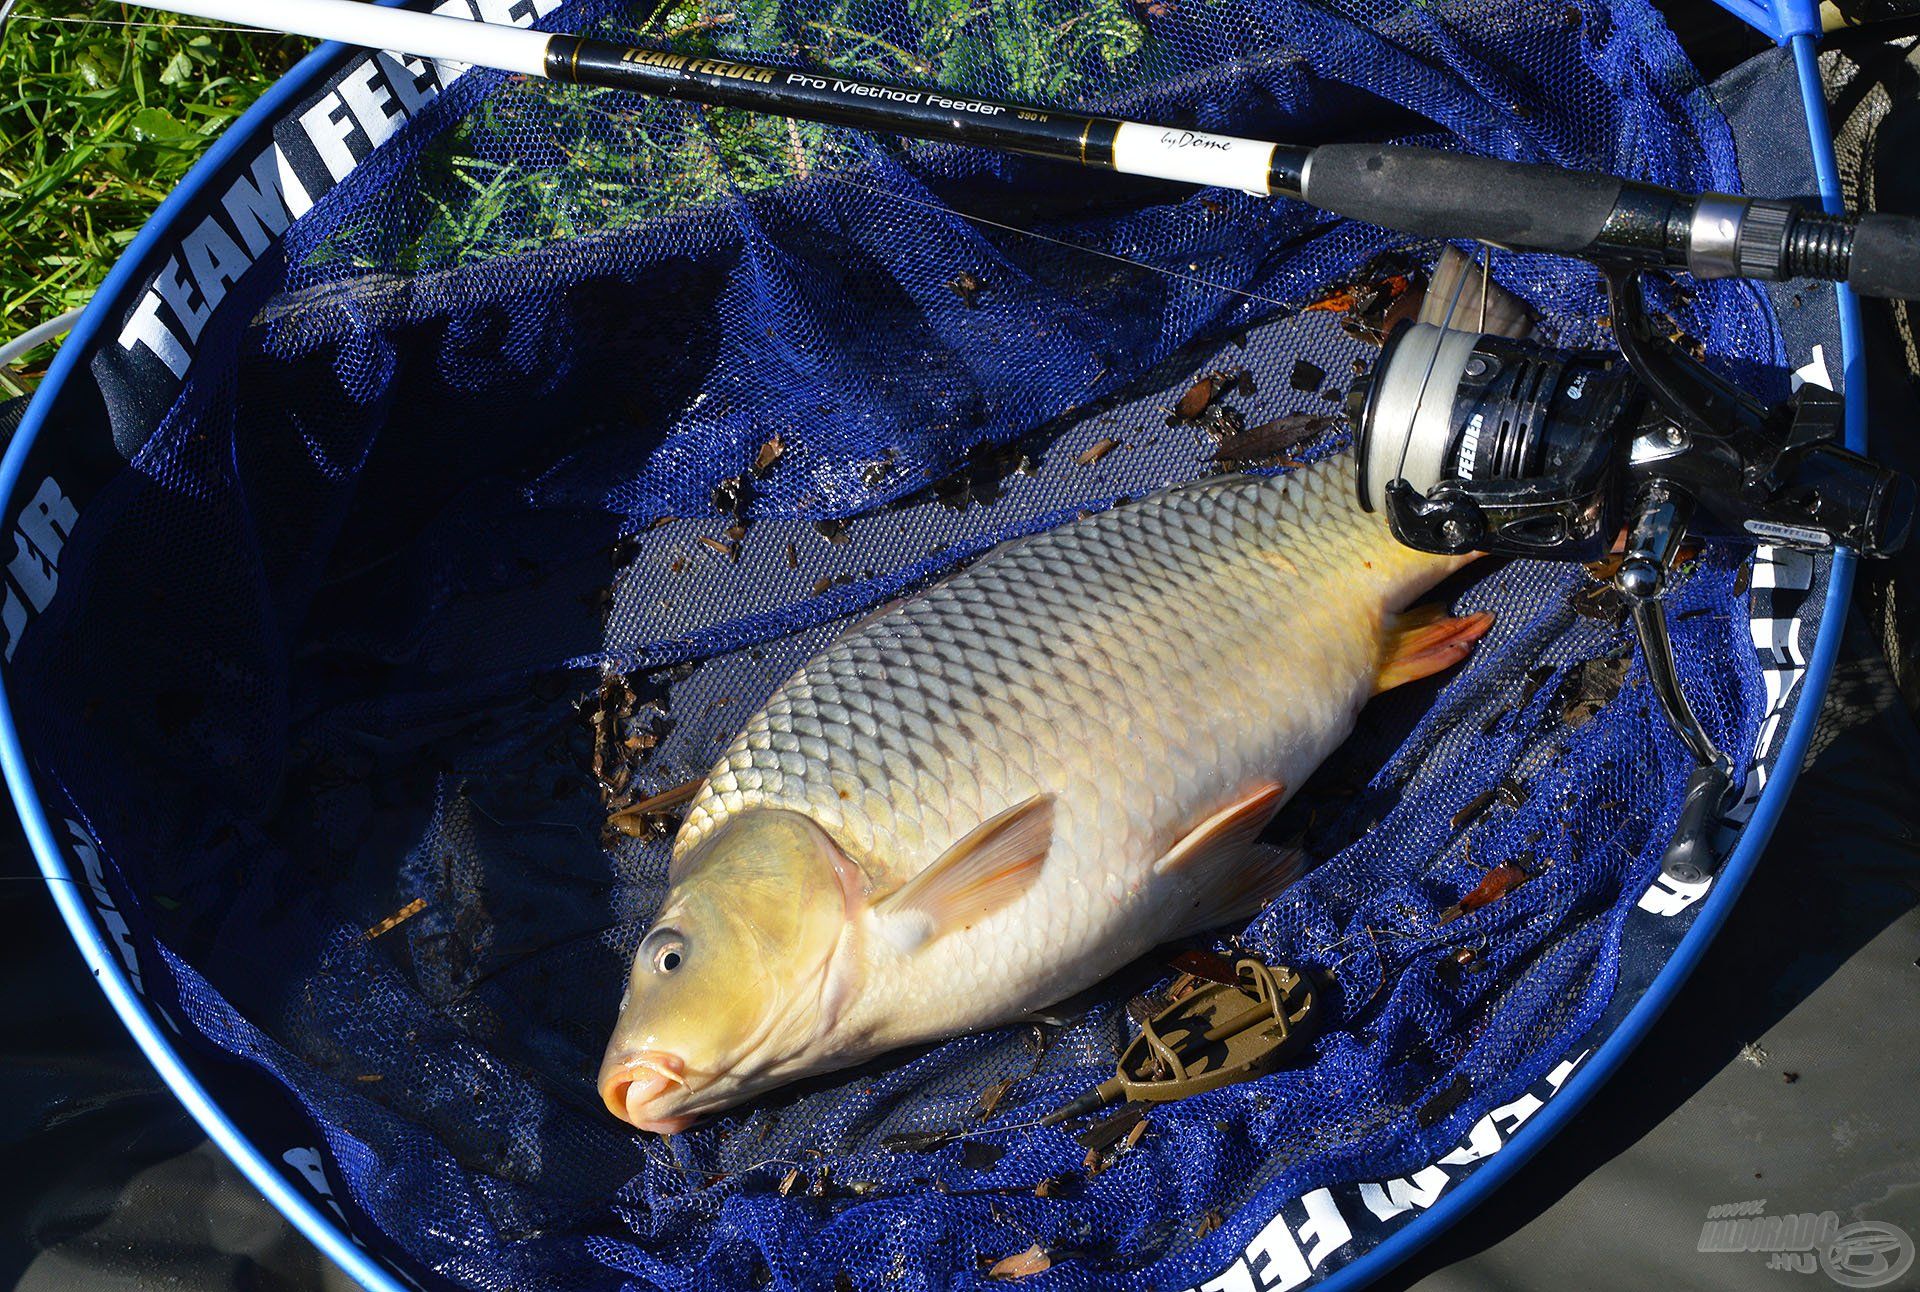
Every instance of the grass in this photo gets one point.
(97, 124)
(473, 197)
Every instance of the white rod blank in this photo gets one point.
(509, 49)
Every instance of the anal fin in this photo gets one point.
(1424, 641)
(990, 866)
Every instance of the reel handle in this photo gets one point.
(1689, 856)
(1653, 541)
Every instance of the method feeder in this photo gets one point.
(1212, 1034)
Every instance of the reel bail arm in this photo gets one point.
(1698, 401)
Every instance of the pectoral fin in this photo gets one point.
(992, 865)
(1229, 831)
(1232, 876)
(1237, 888)
(1423, 641)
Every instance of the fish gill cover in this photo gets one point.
(560, 431)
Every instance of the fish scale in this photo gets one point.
(1146, 665)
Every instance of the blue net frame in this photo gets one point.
(403, 513)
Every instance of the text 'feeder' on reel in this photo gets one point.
(1481, 442)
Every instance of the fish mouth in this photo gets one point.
(634, 1086)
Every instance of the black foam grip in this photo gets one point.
(1886, 257)
(1458, 195)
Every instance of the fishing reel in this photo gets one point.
(1473, 442)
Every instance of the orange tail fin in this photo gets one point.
(1423, 641)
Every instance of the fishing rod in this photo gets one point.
(1524, 206)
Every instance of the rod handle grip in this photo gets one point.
(1886, 257)
(1434, 194)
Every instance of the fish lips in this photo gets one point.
(634, 1085)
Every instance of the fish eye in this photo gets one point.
(665, 949)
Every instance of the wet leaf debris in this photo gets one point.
(1097, 450)
(1268, 444)
(395, 920)
(982, 476)
(1496, 884)
(968, 286)
(1373, 303)
(625, 730)
(731, 496)
(1032, 1261)
(1591, 687)
(656, 814)
(1507, 793)
(1208, 406)
(1209, 387)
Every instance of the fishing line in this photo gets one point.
(164, 26)
(41, 880)
(481, 980)
(985, 221)
(1642, 223)
(1486, 277)
(1426, 378)
(6, 9)
(1063, 242)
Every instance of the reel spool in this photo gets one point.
(1471, 441)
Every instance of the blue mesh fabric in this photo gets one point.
(320, 650)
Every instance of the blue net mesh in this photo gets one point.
(405, 594)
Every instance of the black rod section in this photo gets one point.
(916, 111)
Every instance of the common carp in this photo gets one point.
(992, 795)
